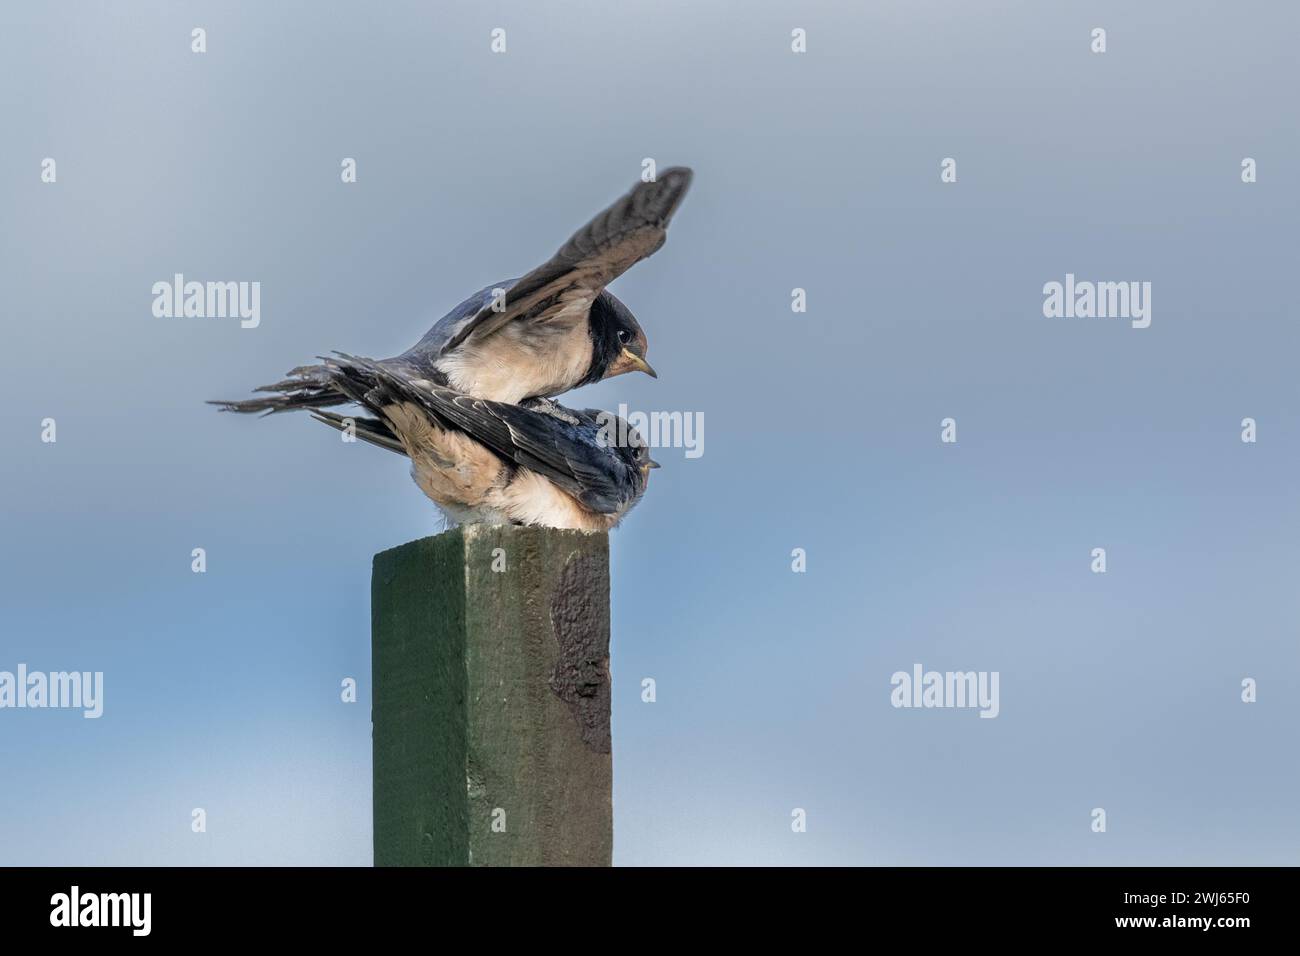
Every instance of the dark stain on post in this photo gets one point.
(581, 675)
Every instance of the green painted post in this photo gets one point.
(492, 699)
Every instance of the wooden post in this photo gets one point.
(492, 699)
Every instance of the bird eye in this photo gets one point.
(623, 336)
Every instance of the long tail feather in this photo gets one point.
(310, 386)
(370, 430)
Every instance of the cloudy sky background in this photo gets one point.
(818, 171)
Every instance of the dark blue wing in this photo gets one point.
(562, 446)
(426, 351)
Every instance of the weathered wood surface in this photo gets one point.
(492, 699)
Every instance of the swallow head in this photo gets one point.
(618, 341)
(629, 447)
(638, 455)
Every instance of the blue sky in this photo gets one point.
(818, 171)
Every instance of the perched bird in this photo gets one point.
(537, 336)
(492, 462)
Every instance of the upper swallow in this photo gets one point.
(484, 461)
(537, 336)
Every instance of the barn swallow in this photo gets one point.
(537, 336)
(482, 461)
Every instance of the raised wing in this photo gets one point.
(631, 229)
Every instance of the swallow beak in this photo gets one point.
(636, 362)
(650, 464)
